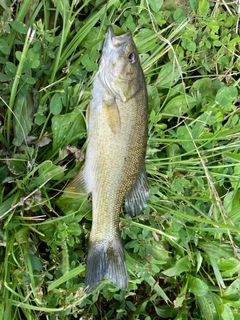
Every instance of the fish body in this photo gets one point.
(114, 168)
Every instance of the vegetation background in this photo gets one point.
(183, 252)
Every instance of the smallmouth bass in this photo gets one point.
(114, 169)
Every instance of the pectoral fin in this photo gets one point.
(113, 116)
(76, 186)
(136, 199)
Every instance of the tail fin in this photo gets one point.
(105, 260)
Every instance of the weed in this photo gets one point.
(183, 253)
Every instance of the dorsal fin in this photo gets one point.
(136, 199)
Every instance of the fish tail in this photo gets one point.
(105, 260)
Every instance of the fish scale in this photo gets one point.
(114, 168)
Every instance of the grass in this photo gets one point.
(183, 253)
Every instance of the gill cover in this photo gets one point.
(120, 68)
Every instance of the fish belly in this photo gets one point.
(113, 162)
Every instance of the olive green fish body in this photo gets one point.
(114, 169)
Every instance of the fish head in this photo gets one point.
(120, 70)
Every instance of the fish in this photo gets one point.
(114, 170)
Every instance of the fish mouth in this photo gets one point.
(110, 32)
(113, 41)
(118, 39)
(114, 47)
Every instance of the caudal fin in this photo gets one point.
(105, 260)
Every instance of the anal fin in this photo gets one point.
(76, 186)
(136, 199)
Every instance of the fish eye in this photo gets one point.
(132, 57)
